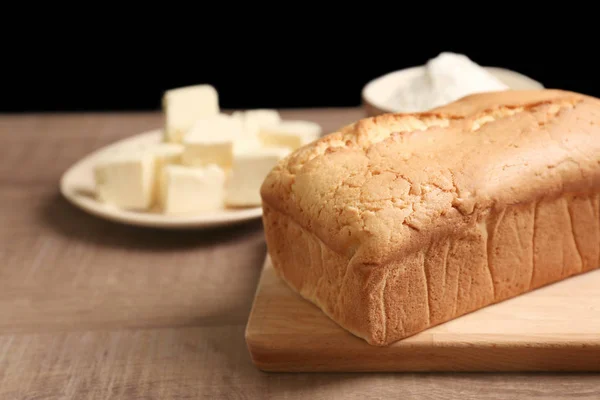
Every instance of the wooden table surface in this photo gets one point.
(90, 309)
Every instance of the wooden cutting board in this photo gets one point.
(555, 328)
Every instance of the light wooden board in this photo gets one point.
(555, 328)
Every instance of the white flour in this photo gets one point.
(446, 78)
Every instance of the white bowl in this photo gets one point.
(379, 89)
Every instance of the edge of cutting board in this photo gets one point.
(555, 328)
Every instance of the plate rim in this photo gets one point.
(138, 218)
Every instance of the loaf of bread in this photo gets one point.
(401, 222)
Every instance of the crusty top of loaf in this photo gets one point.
(383, 185)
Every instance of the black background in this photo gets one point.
(72, 69)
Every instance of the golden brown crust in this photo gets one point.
(389, 195)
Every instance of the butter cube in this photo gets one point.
(247, 134)
(289, 133)
(126, 180)
(191, 190)
(246, 143)
(164, 154)
(184, 106)
(259, 117)
(248, 173)
(251, 121)
(211, 141)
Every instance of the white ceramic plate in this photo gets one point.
(77, 185)
(376, 92)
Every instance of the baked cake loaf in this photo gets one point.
(400, 222)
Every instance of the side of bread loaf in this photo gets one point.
(400, 222)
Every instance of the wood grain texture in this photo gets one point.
(90, 309)
(555, 328)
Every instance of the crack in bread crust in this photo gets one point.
(481, 183)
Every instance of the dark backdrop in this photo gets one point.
(131, 73)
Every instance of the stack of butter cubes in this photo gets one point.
(207, 160)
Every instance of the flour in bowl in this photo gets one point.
(445, 79)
